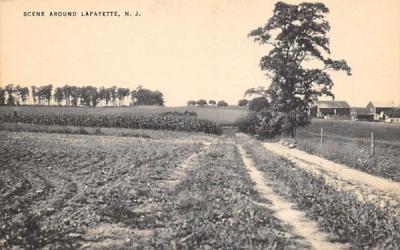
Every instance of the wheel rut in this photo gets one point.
(285, 210)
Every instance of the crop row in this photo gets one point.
(361, 223)
(215, 207)
(52, 194)
(163, 122)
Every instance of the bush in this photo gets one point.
(259, 123)
(259, 103)
(243, 102)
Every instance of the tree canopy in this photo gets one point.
(142, 96)
(243, 102)
(297, 63)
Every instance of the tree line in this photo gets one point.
(203, 102)
(74, 96)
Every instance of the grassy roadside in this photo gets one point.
(356, 153)
(337, 212)
(355, 129)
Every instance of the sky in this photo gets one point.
(195, 49)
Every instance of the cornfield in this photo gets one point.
(157, 122)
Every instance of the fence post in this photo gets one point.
(322, 134)
(372, 143)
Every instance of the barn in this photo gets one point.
(330, 109)
(380, 109)
(362, 114)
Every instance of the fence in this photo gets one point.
(324, 134)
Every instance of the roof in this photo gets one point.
(332, 104)
(361, 111)
(383, 104)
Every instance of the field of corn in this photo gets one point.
(176, 190)
(220, 115)
(166, 121)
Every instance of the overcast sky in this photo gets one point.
(189, 49)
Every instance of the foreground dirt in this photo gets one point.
(53, 188)
(158, 192)
(109, 192)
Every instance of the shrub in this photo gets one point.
(259, 123)
(243, 102)
(259, 103)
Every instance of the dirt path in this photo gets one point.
(364, 185)
(114, 235)
(180, 172)
(285, 211)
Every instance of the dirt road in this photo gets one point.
(364, 185)
(285, 211)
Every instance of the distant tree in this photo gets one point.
(191, 103)
(259, 103)
(66, 94)
(243, 102)
(201, 102)
(10, 90)
(212, 102)
(222, 103)
(34, 94)
(113, 95)
(17, 97)
(23, 93)
(58, 96)
(110, 93)
(102, 95)
(2, 96)
(89, 96)
(297, 37)
(74, 94)
(142, 96)
(122, 93)
(45, 93)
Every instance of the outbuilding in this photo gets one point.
(330, 109)
(362, 114)
(381, 109)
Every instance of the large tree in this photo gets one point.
(297, 62)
